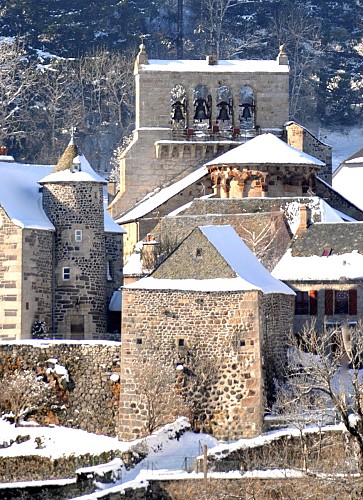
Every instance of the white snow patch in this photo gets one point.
(334, 267)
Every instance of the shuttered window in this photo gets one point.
(353, 302)
(329, 302)
(313, 302)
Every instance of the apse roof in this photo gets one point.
(265, 149)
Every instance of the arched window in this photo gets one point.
(246, 108)
(224, 114)
(178, 103)
(202, 102)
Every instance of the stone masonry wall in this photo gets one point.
(271, 93)
(10, 278)
(83, 297)
(90, 400)
(225, 328)
(37, 279)
(300, 138)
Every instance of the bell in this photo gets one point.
(246, 113)
(223, 112)
(200, 113)
(178, 113)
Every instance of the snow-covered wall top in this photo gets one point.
(233, 66)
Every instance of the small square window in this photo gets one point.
(138, 341)
(181, 342)
(66, 273)
(78, 235)
(242, 343)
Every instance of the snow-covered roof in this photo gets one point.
(155, 199)
(85, 173)
(348, 182)
(354, 161)
(20, 196)
(265, 149)
(251, 275)
(340, 268)
(223, 66)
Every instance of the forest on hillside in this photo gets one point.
(65, 64)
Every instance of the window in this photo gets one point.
(66, 273)
(78, 235)
(306, 302)
(181, 342)
(341, 302)
(198, 253)
(109, 275)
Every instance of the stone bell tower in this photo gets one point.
(73, 201)
(190, 111)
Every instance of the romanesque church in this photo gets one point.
(231, 204)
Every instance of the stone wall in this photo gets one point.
(223, 327)
(90, 400)
(10, 277)
(271, 92)
(80, 301)
(300, 138)
(37, 273)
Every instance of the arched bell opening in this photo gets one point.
(246, 108)
(178, 104)
(202, 102)
(224, 108)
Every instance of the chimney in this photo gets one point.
(305, 219)
(212, 60)
(282, 58)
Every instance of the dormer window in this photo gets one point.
(78, 235)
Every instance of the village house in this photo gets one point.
(61, 252)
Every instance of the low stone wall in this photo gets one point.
(90, 399)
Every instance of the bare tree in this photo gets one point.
(23, 393)
(301, 35)
(328, 365)
(16, 84)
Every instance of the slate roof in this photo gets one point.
(333, 238)
(243, 270)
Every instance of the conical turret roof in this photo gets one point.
(65, 162)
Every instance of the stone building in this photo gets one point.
(323, 265)
(61, 252)
(212, 296)
(190, 111)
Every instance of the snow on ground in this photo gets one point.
(56, 441)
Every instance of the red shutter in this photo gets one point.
(329, 302)
(313, 299)
(352, 302)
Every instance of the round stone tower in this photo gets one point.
(73, 201)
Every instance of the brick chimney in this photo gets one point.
(305, 219)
